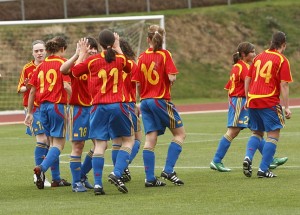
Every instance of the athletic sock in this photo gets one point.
(261, 145)
(135, 150)
(87, 164)
(52, 155)
(252, 146)
(122, 161)
(98, 164)
(55, 171)
(268, 153)
(149, 163)
(174, 151)
(75, 167)
(114, 152)
(40, 152)
(224, 145)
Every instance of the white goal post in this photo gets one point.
(16, 38)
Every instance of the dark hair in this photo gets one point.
(93, 43)
(278, 39)
(107, 40)
(127, 49)
(156, 35)
(55, 44)
(244, 47)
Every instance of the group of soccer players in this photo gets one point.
(93, 96)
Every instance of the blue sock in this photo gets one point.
(40, 152)
(98, 164)
(268, 153)
(75, 167)
(252, 146)
(122, 161)
(87, 164)
(135, 150)
(114, 152)
(149, 163)
(55, 171)
(52, 155)
(224, 145)
(174, 151)
(261, 145)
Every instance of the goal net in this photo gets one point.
(16, 38)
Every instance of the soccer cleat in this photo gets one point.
(172, 177)
(117, 182)
(47, 183)
(219, 166)
(98, 190)
(79, 188)
(277, 162)
(266, 174)
(126, 177)
(86, 183)
(40, 177)
(155, 183)
(60, 183)
(247, 167)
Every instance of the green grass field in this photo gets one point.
(205, 191)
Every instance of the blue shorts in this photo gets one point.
(159, 114)
(266, 119)
(109, 121)
(78, 123)
(237, 115)
(135, 118)
(36, 127)
(54, 119)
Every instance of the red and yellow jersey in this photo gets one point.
(152, 74)
(27, 73)
(106, 81)
(235, 85)
(129, 86)
(267, 71)
(48, 81)
(80, 91)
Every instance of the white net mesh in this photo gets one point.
(16, 39)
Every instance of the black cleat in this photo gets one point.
(155, 183)
(266, 174)
(117, 182)
(98, 190)
(247, 167)
(172, 177)
(40, 177)
(60, 183)
(126, 177)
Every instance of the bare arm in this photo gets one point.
(68, 89)
(284, 91)
(172, 78)
(29, 116)
(65, 67)
(247, 82)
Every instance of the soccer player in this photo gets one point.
(129, 97)
(42, 144)
(156, 73)
(237, 114)
(79, 117)
(268, 79)
(52, 89)
(110, 118)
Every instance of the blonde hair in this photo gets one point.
(156, 34)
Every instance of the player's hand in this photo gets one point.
(28, 120)
(287, 113)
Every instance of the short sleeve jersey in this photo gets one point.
(152, 74)
(27, 73)
(48, 81)
(106, 81)
(80, 92)
(235, 85)
(267, 71)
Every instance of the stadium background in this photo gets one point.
(201, 39)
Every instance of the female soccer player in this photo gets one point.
(79, 117)
(268, 79)
(50, 87)
(110, 118)
(156, 73)
(42, 144)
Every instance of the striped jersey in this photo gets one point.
(235, 85)
(105, 79)
(48, 81)
(129, 86)
(152, 74)
(80, 92)
(267, 71)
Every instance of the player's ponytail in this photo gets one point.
(156, 35)
(278, 39)
(107, 40)
(244, 47)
